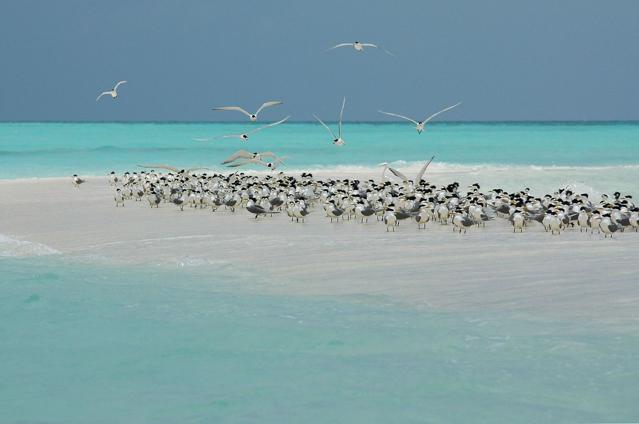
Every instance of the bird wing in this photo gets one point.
(341, 114)
(228, 136)
(399, 116)
(233, 108)
(397, 173)
(421, 172)
(270, 125)
(102, 94)
(219, 137)
(268, 104)
(118, 84)
(377, 47)
(240, 163)
(269, 154)
(160, 166)
(441, 111)
(189, 170)
(239, 154)
(326, 126)
(340, 45)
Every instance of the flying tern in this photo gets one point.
(419, 125)
(245, 136)
(252, 116)
(337, 139)
(113, 93)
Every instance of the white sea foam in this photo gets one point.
(457, 167)
(10, 247)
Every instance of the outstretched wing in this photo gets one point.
(330, 131)
(268, 104)
(237, 155)
(268, 154)
(341, 114)
(399, 116)
(398, 174)
(188, 171)
(160, 166)
(102, 94)
(421, 172)
(270, 125)
(441, 111)
(233, 108)
(277, 162)
(228, 136)
(118, 84)
(239, 163)
(340, 45)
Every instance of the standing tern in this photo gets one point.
(252, 116)
(113, 93)
(419, 125)
(337, 139)
(359, 47)
(245, 136)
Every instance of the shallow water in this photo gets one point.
(87, 343)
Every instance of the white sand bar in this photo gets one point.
(574, 275)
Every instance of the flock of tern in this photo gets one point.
(337, 138)
(388, 202)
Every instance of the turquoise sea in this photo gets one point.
(62, 149)
(94, 342)
(103, 344)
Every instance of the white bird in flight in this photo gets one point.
(252, 116)
(172, 168)
(244, 154)
(337, 139)
(359, 47)
(113, 93)
(245, 136)
(419, 125)
(256, 161)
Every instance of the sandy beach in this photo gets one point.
(574, 276)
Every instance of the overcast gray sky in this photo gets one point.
(505, 59)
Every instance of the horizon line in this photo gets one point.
(550, 121)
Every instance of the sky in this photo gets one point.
(504, 59)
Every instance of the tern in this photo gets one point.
(243, 154)
(419, 125)
(401, 175)
(270, 165)
(337, 139)
(77, 181)
(187, 171)
(113, 93)
(252, 116)
(245, 136)
(359, 47)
